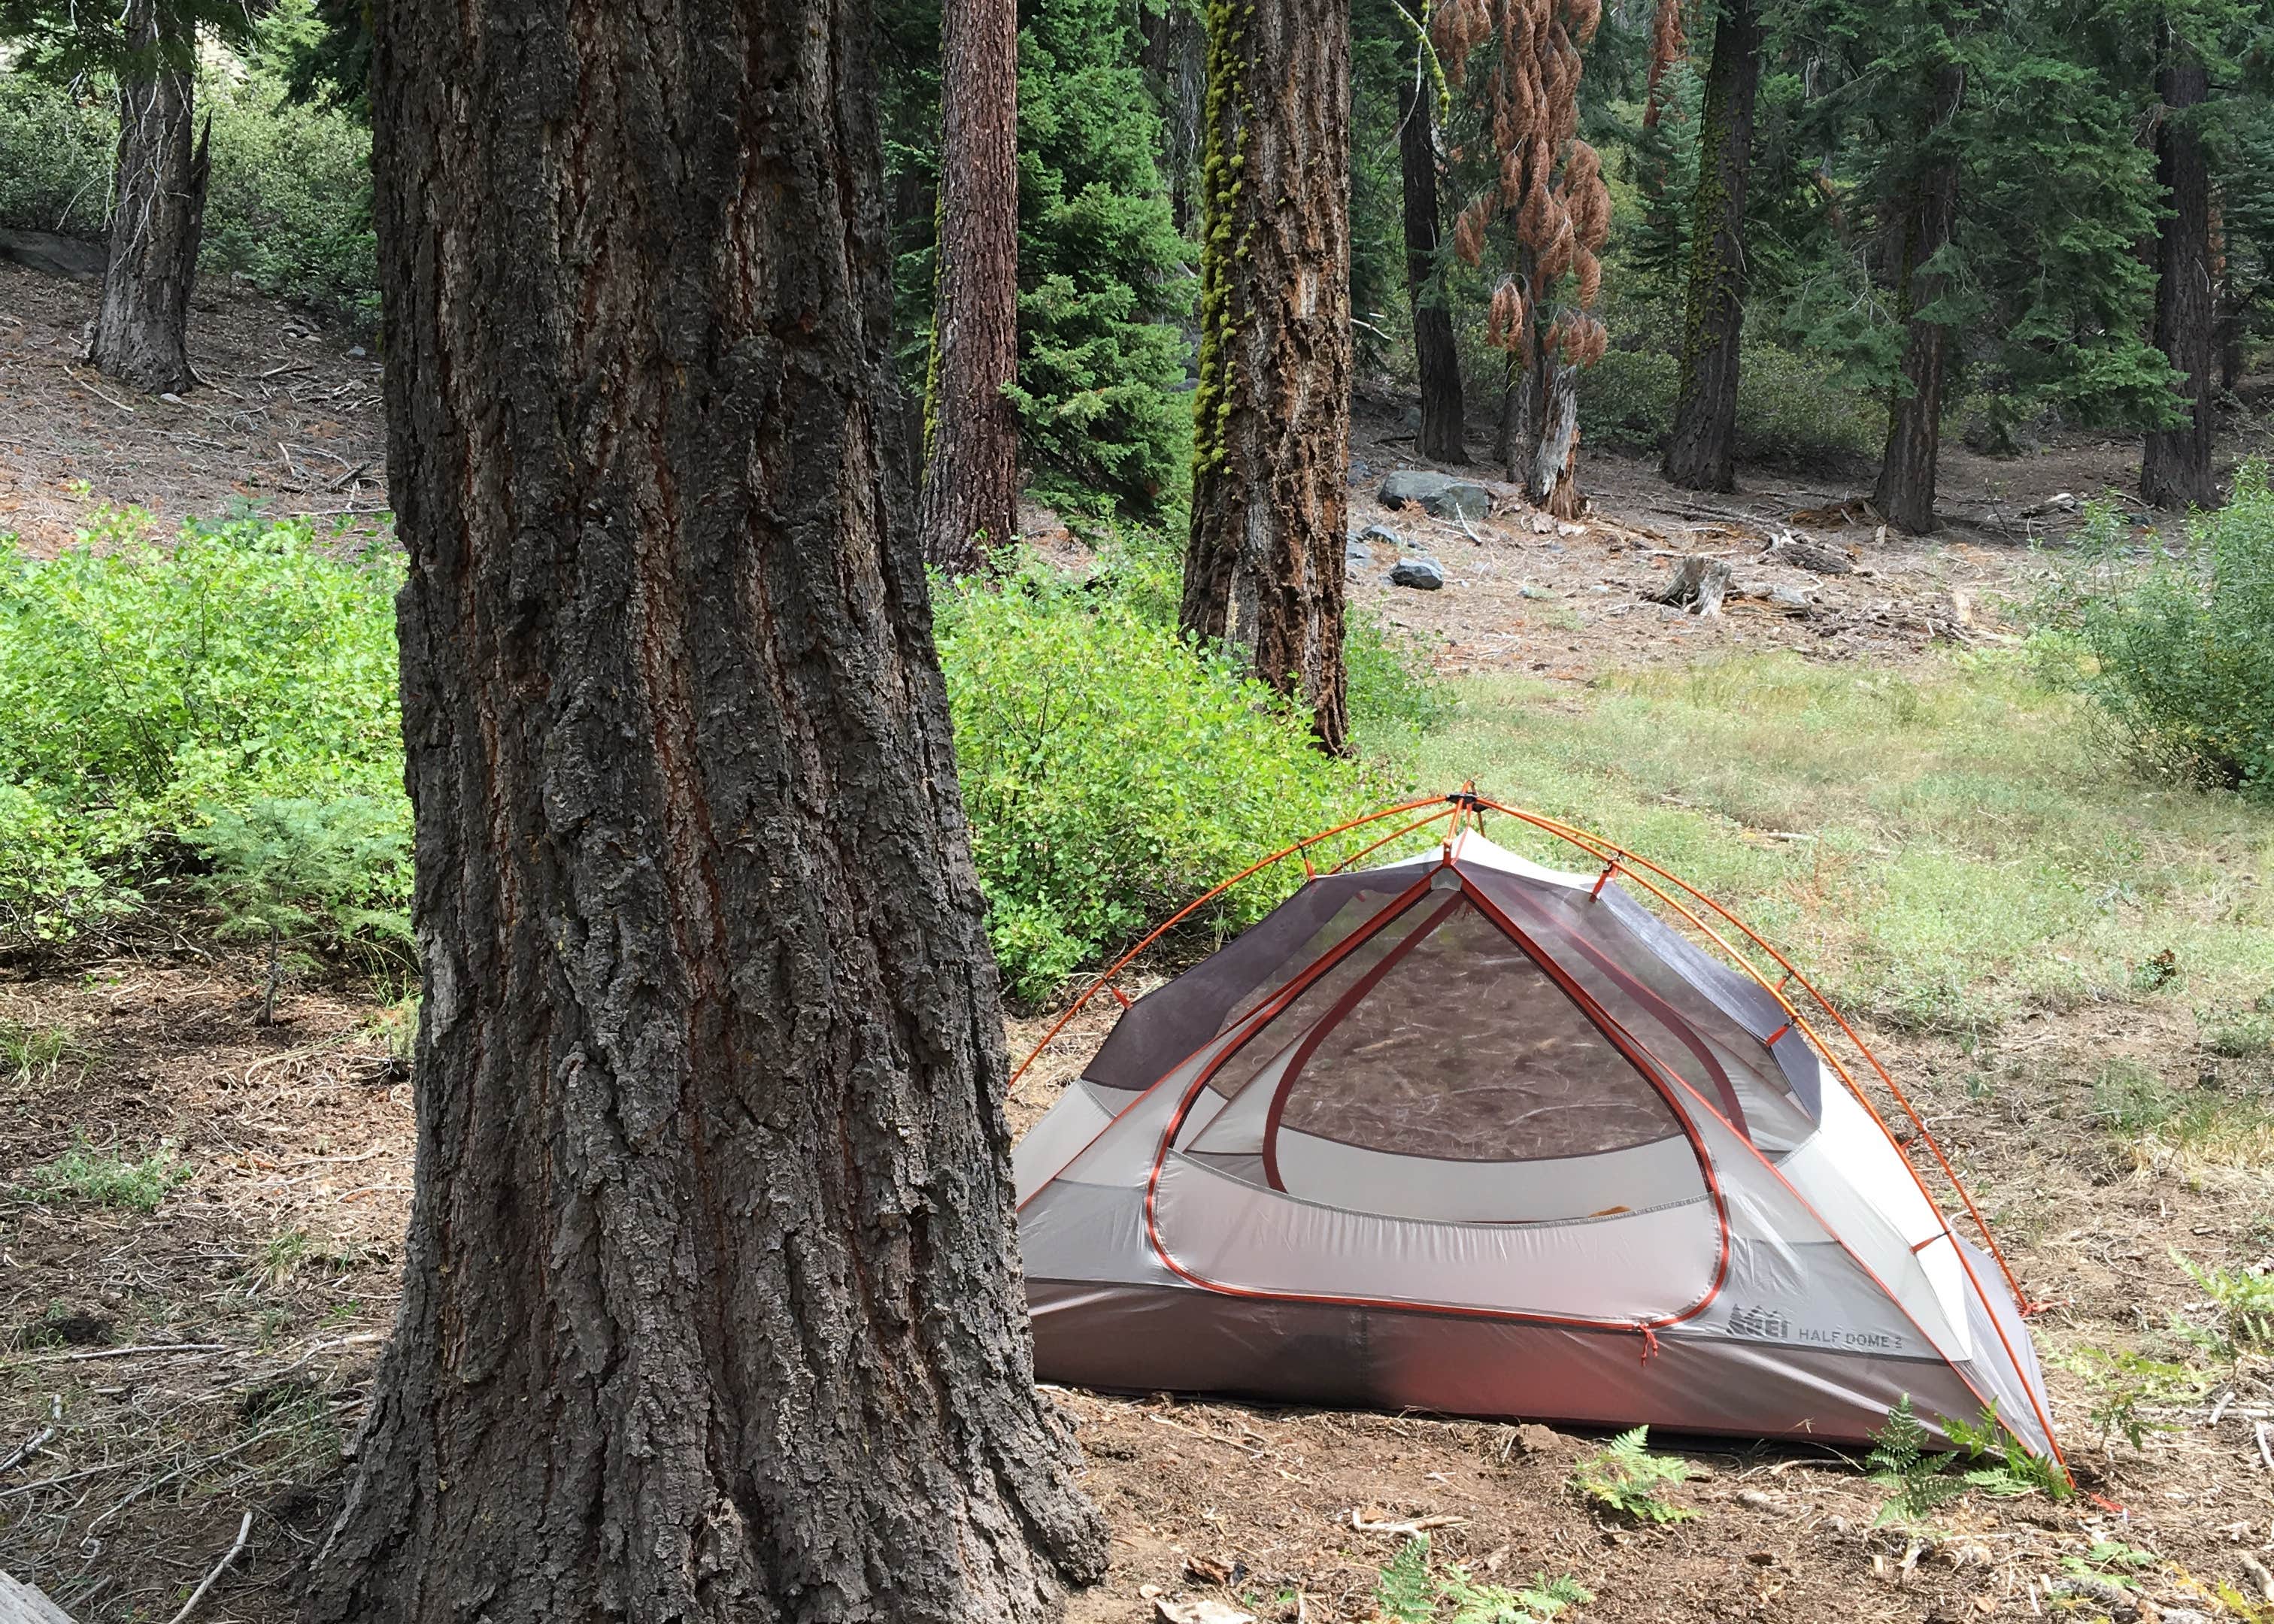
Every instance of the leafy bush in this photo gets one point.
(1627, 1478)
(2180, 651)
(1791, 407)
(232, 693)
(1110, 773)
(290, 204)
(57, 151)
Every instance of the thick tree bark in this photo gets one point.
(1271, 414)
(141, 331)
(712, 1309)
(1905, 493)
(971, 474)
(1701, 452)
(2176, 468)
(1439, 363)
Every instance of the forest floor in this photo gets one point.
(200, 1217)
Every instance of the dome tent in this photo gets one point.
(1462, 1133)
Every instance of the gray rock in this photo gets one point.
(1356, 557)
(1423, 575)
(1441, 495)
(55, 256)
(1384, 535)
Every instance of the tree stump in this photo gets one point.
(1697, 584)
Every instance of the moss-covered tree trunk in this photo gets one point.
(969, 503)
(2175, 463)
(712, 1311)
(1442, 436)
(1701, 451)
(142, 331)
(1904, 494)
(1263, 570)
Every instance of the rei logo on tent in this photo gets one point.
(1461, 1133)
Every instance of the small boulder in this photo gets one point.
(1381, 535)
(1423, 575)
(1441, 495)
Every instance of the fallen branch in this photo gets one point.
(98, 394)
(1417, 1525)
(141, 1347)
(243, 1529)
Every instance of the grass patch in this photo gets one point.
(1962, 849)
(26, 1050)
(91, 1179)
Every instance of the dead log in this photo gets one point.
(1697, 584)
(24, 1603)
(1810, 555)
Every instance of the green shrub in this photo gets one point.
(1625, 1476)
(1110, 773)
(288, 206)
(1409, 1592)
(57, 151)
(1791, 407)
(232, 693)
(297, 867)
(2177, 652)
(1392, 685)
(1627, 398)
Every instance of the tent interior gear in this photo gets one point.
(1466, 1134)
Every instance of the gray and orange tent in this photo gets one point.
(1467, 1134)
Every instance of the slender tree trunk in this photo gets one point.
(712, 1309)
(141, 333)
(2175, 470)
(1175, 51)
(1905, 493)
(1440, 362)
(1271, 414)
(1701, 452)
(971, 473)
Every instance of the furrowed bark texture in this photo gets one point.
(1271, 414)
(142, 331)
(1701, 452)
(1441, 438)
(712, 1309)
(2175, 465)
(971, 475)
(1904, 494)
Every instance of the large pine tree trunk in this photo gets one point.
(2176, 468)
(1701, 451)
(1271, 414)
(712, 1309)
(1905, 493)
(971, 475)
(1439, 363)
(141, 331)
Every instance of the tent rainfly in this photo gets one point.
(1465, 1134)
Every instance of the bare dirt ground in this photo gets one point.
(164, 1373)
(292, 418)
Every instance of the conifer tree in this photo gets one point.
(1701, 449)
(148, 47)
(969, 501)
(1264, 568)
(2175, 460)
(1544, 188)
